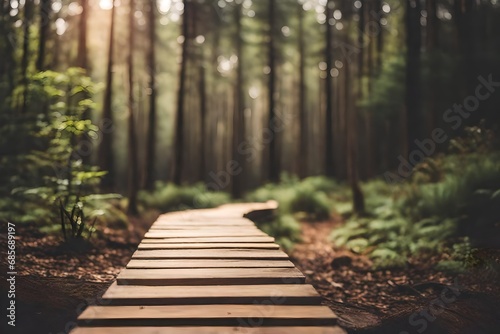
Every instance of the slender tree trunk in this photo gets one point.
(179, 134)
(329, 161)
(361, 42)
(203, 117)
(239, 107)
(432, 43)
(302, 96)
(106, 161)
(274, 172)
(28, 17)
(82, 36)
(380, 35)
(413, 93)
(132, 137)
(151, 133)
(45, 9)
(352, 144)
(7, 66)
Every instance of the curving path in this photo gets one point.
(209, 271)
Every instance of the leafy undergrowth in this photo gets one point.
(308, 199)
(168, 197)
(450, 205)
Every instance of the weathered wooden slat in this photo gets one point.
(207, 315)
(204, 263)
(204, 228)
(208, 246)
(206, 222)
(198, 234)
(210, 276)
(277, 294)
(264, 239)
(210, 330)
(265, 254)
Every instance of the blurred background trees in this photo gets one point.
(234, 93)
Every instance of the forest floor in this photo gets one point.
(54, 284)
(411, 300)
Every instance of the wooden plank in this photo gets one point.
(265, 239)
(183, 263)
(207, 222)
(204, 228)
(281, 294)
(207, 315)
(264, 254)
(198, 234)
(210, 276)
(210, 330)
(208, 246)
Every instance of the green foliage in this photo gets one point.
(312, 202)
(309, 196)
(474, 187)
(447, 196)
(169, 197)
(284, 228)
(43, 161)
(461, 258)
(74, 223)
(387, 90)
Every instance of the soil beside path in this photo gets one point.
(382, 301)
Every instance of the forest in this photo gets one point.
(373, 124)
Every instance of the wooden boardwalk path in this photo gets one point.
(209, 271)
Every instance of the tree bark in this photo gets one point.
(274, 156)
(106, 161)
(179, 129)
(151, 133)
(132, 137)
(82, 36)
(28, 17)
(239, 108)
(329, 160)
(413, 90)
(45, 9)
(302, 96)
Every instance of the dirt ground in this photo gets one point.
(416, 299)
(54, 284)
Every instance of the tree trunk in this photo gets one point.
(28, 17)
(352, 145)
(179, 129)
(45, 9)
(432, 43)
(151, 133)
(203, 117)
(106, 161)
(413, 93)
(329, 161)
(82, 36)
(7, 66)
(302, 97)
(132, 140)
(274, 173)
(239, 107)
(380, 35)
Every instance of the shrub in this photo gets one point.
(284, 228)
(315, 204)
(169, 197)
(422, 216)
